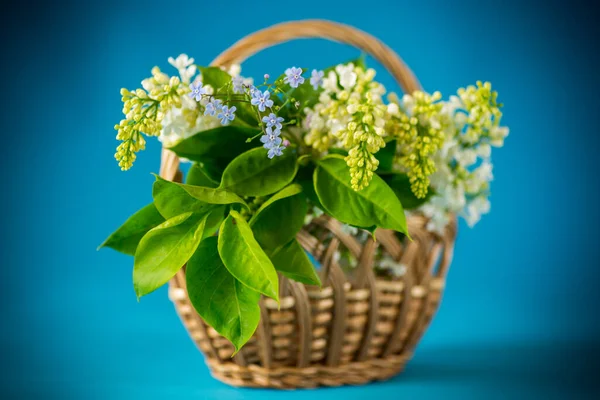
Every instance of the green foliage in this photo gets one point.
(165, 249)
(400, 184)
(204, 194)
(253, 174)
(280, 218)
(215, 77)
(375, 205)
(386, 157)
(291, 260)
(171, 199)
(126, 238)
(215, 148)
(197, 176)
(244, 258)
(227, 305)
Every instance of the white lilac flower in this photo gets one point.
(197, 91)
(261, 99)
(234, 70)
(316, 78)
(185, 66)
(347, 75)
(330, 84)
(293, 77)
(272, 120)
(226, 114)
(349, 230)
(395, 268)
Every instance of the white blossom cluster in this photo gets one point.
(463, 165)
(181, 123)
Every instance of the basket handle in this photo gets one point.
(306, 29)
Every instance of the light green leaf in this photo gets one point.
(244, 258)
(164, 250)
(215, 148)
(205, 194)
(197, 176)
(400, 184)
(374, 205)
(126, 238)
(171, 199)
(291, 260)
(254, 174)
(280, 218)
(227, 305)
(215, 77)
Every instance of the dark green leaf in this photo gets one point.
(227, 305)
(386, 157)
(244, 258)
(215, 148)
(291, 260)
(374, 205)
(254, 174)
(164, 250)
(280, 218)
(197, 176)
(400, 184)
(126, 238)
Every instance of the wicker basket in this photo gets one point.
(357, 328)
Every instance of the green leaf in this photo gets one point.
(400, 184)
(280, 218)
(126, 238)
(171, 199)
(204, 194)
(227, 305)
(197, 176)
(386, 157)
(215, 148)
(291, 260)
(164, 250)
(374, 205)
(215, 77)
(305, 179)
(254, 174)
(244, 258)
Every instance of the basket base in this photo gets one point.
(356, 373)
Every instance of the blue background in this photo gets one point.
(520, 316)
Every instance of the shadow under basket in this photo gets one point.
(356, 328)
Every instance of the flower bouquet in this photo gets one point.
(290, 256)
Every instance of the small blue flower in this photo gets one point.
(316, 78)
(272, 120)
(275, 151)
(238, 84)
(214, 106)
(226, 115)
(293, 76)
(261, 100)
(197, 91)
(271, 138)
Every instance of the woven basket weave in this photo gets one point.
(357, 328)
